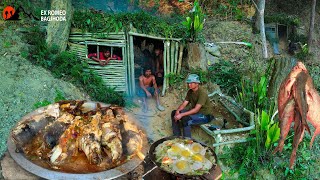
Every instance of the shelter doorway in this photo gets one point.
(148, 53)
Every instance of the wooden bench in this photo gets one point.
(241, 114)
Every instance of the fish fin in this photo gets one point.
(298, 136)
(307, 127)
(316, 132)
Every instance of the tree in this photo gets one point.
(58, 31)
(311, 28)
(260, 9)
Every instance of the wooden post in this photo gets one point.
(172, 51)
(176, 52)
(132, 66)
(98, 54)
(125, 63)
(164, 67)
(168, 61)
(180, 57)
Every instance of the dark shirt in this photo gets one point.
(200, 97)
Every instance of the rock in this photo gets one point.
(211, 60)
(212, 49)
(197, 56)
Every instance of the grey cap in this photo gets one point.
(193, 78)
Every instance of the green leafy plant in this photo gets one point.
(59, 96)
(194, 21)
(270, 132)
(281, 18)
(141, 21)
(41, 104)
(224, 73)
(175, 79)
(7, 44)
(304, 53)
(230, 9)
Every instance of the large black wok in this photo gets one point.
(152, 156)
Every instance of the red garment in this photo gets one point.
(102, 57)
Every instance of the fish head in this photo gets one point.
(299, 67)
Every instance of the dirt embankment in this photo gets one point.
(23, 84)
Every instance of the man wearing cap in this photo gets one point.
(199, 109)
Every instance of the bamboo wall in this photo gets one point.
(120, 74)
(114, 73)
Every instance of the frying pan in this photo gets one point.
(153, 158)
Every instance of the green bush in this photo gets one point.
(226, 75)
(142, 21)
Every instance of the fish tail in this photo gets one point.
(306, 126)
(316, 132)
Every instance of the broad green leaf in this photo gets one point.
(267, 143)
(196, 22)
(187, 23)
(200, 27)
(88, 21)
(273, 134)
(264, 120)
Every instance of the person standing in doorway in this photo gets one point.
(159, 66)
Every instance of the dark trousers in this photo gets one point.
(186, 122)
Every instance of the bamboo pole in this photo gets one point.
(127, 65)
(115, 36)
(104, 44)
(164, 67)
(233, 142)
(168, 61)
(132, 65)
(98, 54)
(109, 71)
(176, 52)
(171, 60)
(78, 50)
(124, 55)
(90, 34)
(75, 44)
(180, 58)
(76, 39)
(153, 37)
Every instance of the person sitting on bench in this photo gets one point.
(199, 111)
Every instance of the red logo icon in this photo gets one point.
(8, 12)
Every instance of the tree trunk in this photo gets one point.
(261, 7)
(58, 31)
(281, 68)
(311, 28)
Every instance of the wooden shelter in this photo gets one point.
(120, 74)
